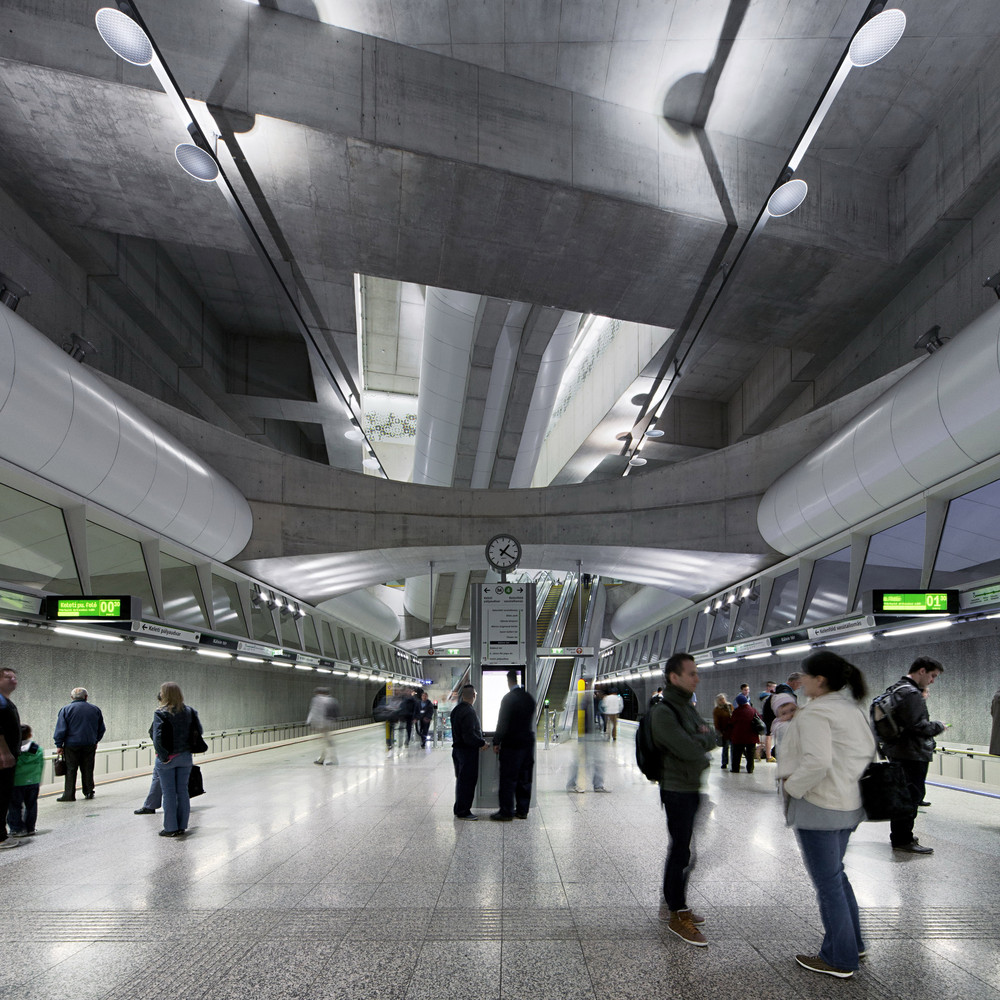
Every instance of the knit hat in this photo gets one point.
(741, 699)
(777, 700)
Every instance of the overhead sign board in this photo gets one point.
(848, 625)
(93, 609)
(982, 596)
(914, 602)
(503, 641)
(563, 651)
(156, 631)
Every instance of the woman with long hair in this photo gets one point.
(175, 731)
(722, 719)
(825, 750)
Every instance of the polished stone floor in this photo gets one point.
(354, 881)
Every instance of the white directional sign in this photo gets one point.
(504, 613)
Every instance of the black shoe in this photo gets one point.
(913, 848)
(88, 795)
(469, 816)
(144, 811)
(171, 833)
(63, 798)
(924, 803)
(520, 815)
(502, 817)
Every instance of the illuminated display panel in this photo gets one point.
(89, 608)
(914, 602)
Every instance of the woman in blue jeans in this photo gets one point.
(825, 750)
(174, 733)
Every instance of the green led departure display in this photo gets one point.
(914, 602)
(90, 608)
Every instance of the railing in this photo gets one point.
(966, 764)
(120, 758)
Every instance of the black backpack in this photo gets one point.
(881, 715)
(649, 759)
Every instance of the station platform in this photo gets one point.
(354, 881)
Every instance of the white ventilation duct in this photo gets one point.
(449, 331)
(543, 398)
(364, 612)
(939, 420)
(644, 609)
(60, 422)
(501, 376)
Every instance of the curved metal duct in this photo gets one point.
(449, 330)
(940, 419)
(644, 609)
(365, 613)
(543, 398)
(60, 422)
(501, 376)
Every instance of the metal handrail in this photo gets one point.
(291, 730)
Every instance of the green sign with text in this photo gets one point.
(914, 602)
(91, 608)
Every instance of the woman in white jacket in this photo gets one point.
(826, 749)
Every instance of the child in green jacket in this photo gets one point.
(23, 809)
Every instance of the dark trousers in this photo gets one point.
(23, 812)
(424, 725)
(681, 809)
(901, 830)
(466, 761)
(516, 767)
(82, 759)
(6, 792)
(725, 753)
(409, 729)
(743, 750)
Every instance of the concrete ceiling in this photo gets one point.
(600, 157)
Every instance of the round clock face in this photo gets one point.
(503, 552)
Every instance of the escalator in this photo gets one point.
(563, 630)
(547, 612)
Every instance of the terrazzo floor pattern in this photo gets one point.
(354, 881)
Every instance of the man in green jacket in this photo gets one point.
(683, 740)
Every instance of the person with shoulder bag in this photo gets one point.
(824, 752)
(176, 733)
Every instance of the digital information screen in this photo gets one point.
(494, 687)
(914, 602)
(88, 608)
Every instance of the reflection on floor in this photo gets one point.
(354, 881)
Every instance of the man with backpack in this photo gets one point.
(906, 734)
(680, 741)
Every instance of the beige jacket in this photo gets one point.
(825, 750)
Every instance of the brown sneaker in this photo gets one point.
(695, 918)
(815, 964)
(666, 913)
(681, 925)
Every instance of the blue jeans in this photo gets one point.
(823, 855)
(173, 775)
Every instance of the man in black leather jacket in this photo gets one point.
(914, 748)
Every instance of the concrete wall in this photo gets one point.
(124, 680)
(961, 695)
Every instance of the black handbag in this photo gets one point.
(884, 795)
(59, 766)
(195, 784)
